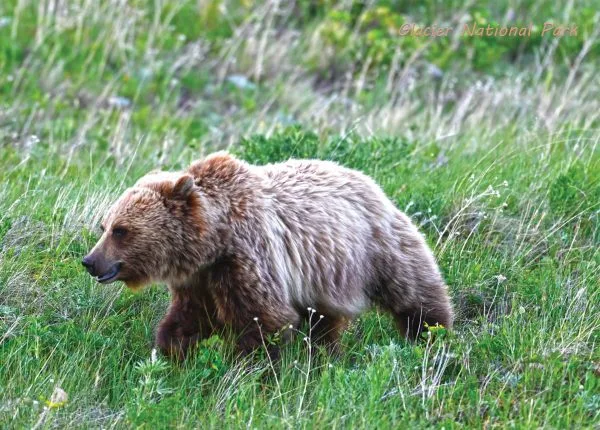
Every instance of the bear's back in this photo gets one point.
(311, 182)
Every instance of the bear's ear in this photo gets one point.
(183, 188)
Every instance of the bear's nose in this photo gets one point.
(88, 263)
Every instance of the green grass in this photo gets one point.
(496, 159)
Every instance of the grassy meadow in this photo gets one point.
(490, 144)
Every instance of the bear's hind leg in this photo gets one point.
(417, 306)
(409, 282)
(412, 323)
(430, 305)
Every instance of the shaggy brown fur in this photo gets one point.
(252, 247)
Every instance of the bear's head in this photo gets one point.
(157, 231)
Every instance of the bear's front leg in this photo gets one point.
(190, 318)
(251, 304)
(257, 330)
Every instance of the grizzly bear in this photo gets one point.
(251, 248)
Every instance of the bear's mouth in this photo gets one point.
(111, 275)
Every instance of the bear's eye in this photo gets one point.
(119, 232)
(101, 228)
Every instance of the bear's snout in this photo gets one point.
(104, 271)
(94, 265)
(88, 263)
